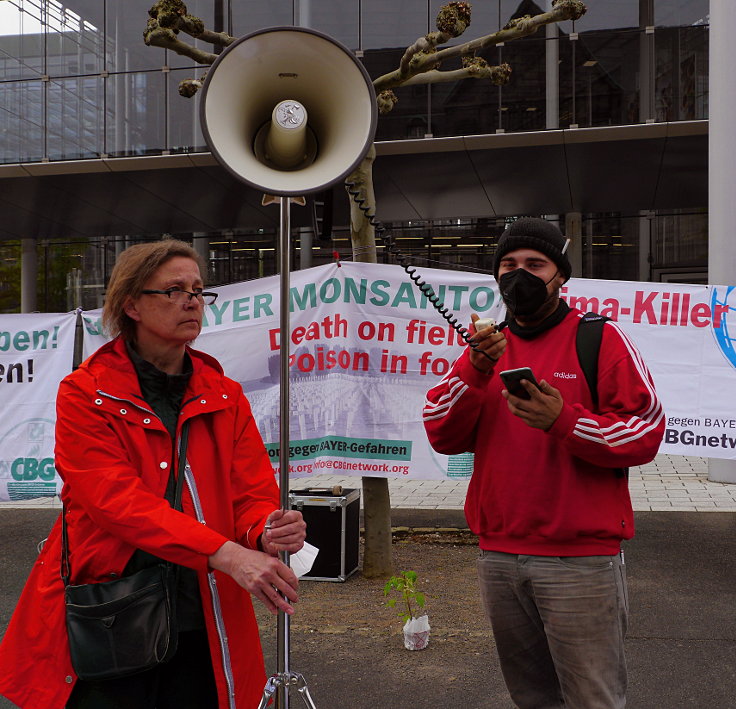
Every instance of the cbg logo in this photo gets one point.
(33, 469)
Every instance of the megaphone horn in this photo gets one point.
(288, 110)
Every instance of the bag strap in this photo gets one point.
(588, 345)
(66, 569)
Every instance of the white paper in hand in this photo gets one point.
(302, 561)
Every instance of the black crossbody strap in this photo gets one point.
(66, 570)
(588, 345)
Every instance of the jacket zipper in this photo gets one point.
(216, 607)
(127, 401)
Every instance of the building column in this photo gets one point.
(304, 13)
(552, 63)
(646, 224)
(574, 232)
(721, 170)
(28, 276)
(305, 246)
(646, 61)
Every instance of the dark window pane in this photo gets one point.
(680, 239)
(124, 46)
(682, 73)
(396, 25)
(681, 12)
(611, 246)
(248, 17)
(343, 25)
(609, 15)
(599, 79)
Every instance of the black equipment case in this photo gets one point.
(333, 526)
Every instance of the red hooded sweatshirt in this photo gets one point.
(558, 492)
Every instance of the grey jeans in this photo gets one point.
(559, 624)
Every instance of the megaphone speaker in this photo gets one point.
(288, 110)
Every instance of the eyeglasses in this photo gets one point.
(177, 295)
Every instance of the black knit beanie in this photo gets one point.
(537, 234)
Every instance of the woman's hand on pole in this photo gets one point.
(270, 580)
(285, 531)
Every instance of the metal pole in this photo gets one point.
(280, 683)
(283, 627)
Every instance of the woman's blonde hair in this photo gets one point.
(133, 268)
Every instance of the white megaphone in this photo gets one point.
(288, 110)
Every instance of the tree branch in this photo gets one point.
(167, 39)
(498, 75)
(452, 20)
(422, 62)
(168, 18)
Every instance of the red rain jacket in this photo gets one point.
(115, 456)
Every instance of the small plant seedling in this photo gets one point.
(405, 585)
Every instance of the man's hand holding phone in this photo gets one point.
(537, 404)
(489, 344)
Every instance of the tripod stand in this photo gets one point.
(284, 679)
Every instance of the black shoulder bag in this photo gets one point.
(125, 626)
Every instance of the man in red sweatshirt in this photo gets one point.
(549, 497)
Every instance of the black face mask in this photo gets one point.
(523, 292)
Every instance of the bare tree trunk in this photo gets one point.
(377, 556)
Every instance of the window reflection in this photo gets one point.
(107, 93)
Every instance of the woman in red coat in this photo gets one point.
(119, 416)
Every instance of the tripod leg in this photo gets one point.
(304, 691)
(301, 687)
(269, 690)
(286, 681)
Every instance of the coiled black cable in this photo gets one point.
(411, 271)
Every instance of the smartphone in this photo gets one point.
(512, 379)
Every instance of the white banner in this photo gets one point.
(366, 346)
(687, 335)
(36, 352)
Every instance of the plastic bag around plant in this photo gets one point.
(416, 633)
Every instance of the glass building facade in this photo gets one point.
(77, 82)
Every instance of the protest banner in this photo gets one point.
(366, 345)
(36, 352)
